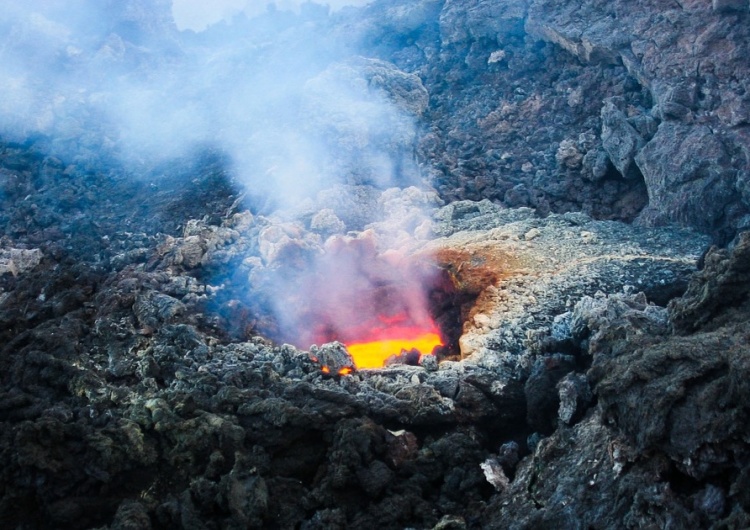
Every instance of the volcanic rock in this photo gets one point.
(333, 356)
(718, 292)
(18, 260)
(277, 407)
(593, 372)
(636, 358)
(620, 140)
(695, 112)
(522, 283)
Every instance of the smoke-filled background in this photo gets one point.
(287, 101)
(195, 15)
(271, 88)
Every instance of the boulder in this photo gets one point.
(689, 175)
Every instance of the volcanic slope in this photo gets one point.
(595, 371)
(140, 400)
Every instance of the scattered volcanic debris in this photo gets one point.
(533, 217)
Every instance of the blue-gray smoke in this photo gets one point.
(282, 94)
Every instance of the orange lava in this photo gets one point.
(346, 370)
(373, 354)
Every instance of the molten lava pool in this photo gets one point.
(374, 353)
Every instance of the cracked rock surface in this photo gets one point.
(563, 169)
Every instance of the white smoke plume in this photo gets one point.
(197, 15)
(283, 94)
(277, 91)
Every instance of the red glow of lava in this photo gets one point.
(373, 350)
(375, 301)
(346, 370)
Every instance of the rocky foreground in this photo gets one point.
(572, 163)
(135, 397)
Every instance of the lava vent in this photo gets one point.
(384, 305)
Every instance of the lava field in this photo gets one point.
(395, 264)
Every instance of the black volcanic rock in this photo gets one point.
(513, 84)
(662, 442)
(151, 379)
(718, 293)
(594, 378)
(693, 89)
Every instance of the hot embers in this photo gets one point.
(378, 303)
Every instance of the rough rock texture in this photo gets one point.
(681, 460)
(691, 57)
(599, 106)
(718, 293)
(592, 378)
(525, 270)
(135, 391)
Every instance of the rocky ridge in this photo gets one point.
(625, 111)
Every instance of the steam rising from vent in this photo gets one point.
(376, 303)
(281, 94)
(197, 14)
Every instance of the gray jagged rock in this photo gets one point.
(700, 106)
(620, 140)
(689, 176)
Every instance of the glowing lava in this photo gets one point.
(373, 299)
(373, 353)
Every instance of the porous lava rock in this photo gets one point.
(150, 385)
(599, 380)
(696, 104)
(588, 106)
(678, 459)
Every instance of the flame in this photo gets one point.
(346, 370)
(373, 353)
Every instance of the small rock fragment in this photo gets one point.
(532, 234)
(450, 522)
(494, 474)
(333, 356)
(575, 396)
(429, 363)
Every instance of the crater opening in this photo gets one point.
(385, 306)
